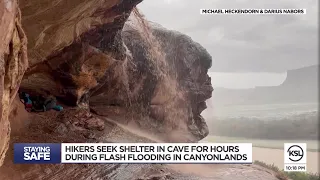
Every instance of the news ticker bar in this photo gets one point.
(164, 153)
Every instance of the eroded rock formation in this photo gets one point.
(132, 72)
(71, 47)
(143, 68)
(88, 55)
(178, 80)
(13, 63)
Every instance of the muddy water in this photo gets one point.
(276, 157)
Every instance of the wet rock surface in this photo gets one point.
(102, 56)
(94, 123)
(13, 63)
(131, 64)
(43, 127)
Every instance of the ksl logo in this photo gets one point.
(295, 153)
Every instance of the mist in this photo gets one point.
(265, 103)
(246, 80)
(264, 71)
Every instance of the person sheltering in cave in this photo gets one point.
(38, 103)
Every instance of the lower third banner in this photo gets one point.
(164, 153)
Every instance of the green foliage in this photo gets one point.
(289, 175)
(302, 176)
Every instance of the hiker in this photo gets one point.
(39, 103)
(26, 101)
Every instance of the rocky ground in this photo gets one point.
(80, 126)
